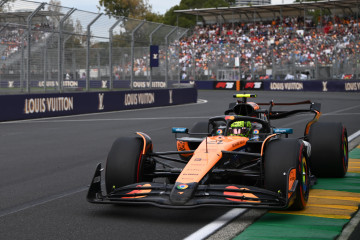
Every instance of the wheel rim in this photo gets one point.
(304, 178)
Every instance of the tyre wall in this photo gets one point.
(29, 106)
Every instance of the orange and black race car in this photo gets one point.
(237, 160)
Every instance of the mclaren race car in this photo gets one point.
(237, 160)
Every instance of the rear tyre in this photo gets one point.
(329, 149)
(284, 157)
(125, 164)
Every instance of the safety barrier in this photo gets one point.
(17, 107)
(269, 85)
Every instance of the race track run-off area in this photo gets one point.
(331, 205)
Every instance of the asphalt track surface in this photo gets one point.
(47, 164)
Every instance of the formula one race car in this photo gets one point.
(237, 160)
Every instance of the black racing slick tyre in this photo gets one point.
(285, 159)
(329, 149)
(125, 163)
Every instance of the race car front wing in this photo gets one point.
(190, 195)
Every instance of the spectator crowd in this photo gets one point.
(252, 50)
(285, 43)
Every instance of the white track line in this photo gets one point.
(350, 227)
(209, 229)
(38, 202)
(225, 219)
(353, 136)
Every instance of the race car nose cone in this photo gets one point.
(181, 193)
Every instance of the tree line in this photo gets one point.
(141, 9)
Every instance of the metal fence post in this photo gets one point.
(356, 41)
(3, 2)
(132, 52)
(193, 65)
(110, 50)
(167, 55)
(22, 67)
(28, 20)
(151, 43)
(45, 64)
(88, 50)
(47, 68)
(178, 58)
(252, 66)
(61, 50)
(63, 58)
(272, 64)
(316, 60)
(240, 57)
(73, 64)
(98, 63)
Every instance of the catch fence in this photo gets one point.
(51, 48)
(45, 48)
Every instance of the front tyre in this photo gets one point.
(285, 161)
(125, 163)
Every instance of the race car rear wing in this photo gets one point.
(271, 114)
(314, 108)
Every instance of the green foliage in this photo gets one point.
(154, 17)
(141, 9)
(127, 8)
(171, 18)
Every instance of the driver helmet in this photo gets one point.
(240, 128)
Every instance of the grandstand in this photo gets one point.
(53, 44)
(279, 42)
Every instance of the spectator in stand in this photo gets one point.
(284, 42)
(264, 44)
